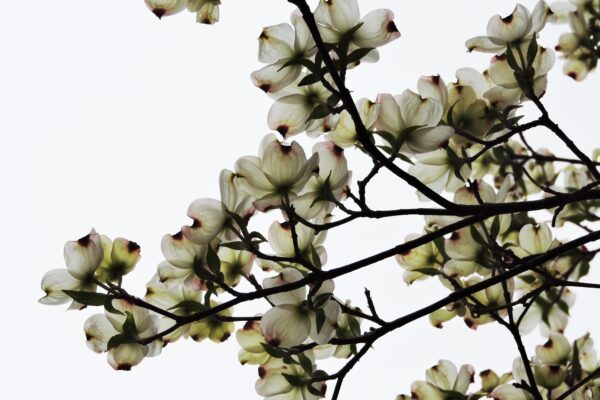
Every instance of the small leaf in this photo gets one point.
(110, 308)
(321, 299)
(358, 54)
(477, 236)
(213, 261)
(320, 318)
(495, 228)
(274, 351)
(320, 111)
(354, 326)
(129, 327)
(532, 51)
(294, 380)
(306, 363)
(300, 61)
(576, 369)
(88, 298)
(309, 79)
(510, 58)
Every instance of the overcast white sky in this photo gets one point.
(113, 119)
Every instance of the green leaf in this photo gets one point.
(333, 100)
(320, 318)
(110, 308)
(354, 326)
(309, 79)
(300, 61)
(88, 298)
(274, 351)
(495, 228)
(320, 111)
(213, 261)
(117, 340)
(358, 54)
(576, 369)
(532, 51)
(294, 380)
(510, 58)
(259, 236)
(316, 260)
(129, 327)
(477, 236)
(321, 299)
(306, 363)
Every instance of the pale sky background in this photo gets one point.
(113, 119)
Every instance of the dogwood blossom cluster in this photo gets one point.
(461, 144)
(557, 365)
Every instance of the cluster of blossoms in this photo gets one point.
(557, 365)
(457, 138)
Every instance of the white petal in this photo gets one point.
(378, 29)
(272, 78)
(209, 219)
(285, 325)
(275, 43)
(83, 256)
(53, 284)
(510, 28)
(98, 331)
(419, 111)
(126, 356)
(287, 275)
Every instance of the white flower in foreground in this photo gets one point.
(207, 11)
(337, 17)
(280, 170)
(120, 257)
(441, 378)
(290, 113)
(163, 8)
(518, 27)
(278, 45)
(134, 323)
(182, 258)
(329, 183)
(82, 258)
(549, 311)
(251, 341)
(344, 134)
(502, 74)
(412, 122)
(273, 385)
(290, 322)
(423, 257)
(440, 169)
